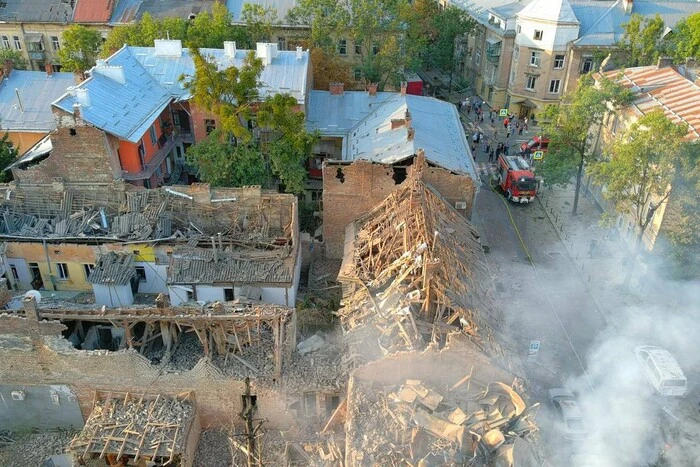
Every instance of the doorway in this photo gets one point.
(37, 282)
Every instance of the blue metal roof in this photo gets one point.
(601, 21)
(31, 111)
(365, 123)
(123, 108)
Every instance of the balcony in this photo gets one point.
(36, 55)
(166, 143)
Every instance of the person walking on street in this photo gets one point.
(491, 158)
(505, 123)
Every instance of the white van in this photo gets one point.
(662, 370)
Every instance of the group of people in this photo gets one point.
(487, 146)
(520, 125)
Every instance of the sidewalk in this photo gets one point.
(596, 254)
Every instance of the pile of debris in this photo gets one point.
(413, 424)
(153, 428)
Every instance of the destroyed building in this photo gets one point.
(191, 242)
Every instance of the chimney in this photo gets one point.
(83, 97)
(372, 89)
(168, 47)
(664, 62)
(627, 5)
(408, 118)
(230, 49)
(49, 69)
(115, 73)
(336, 89)
(404, 85)
(397, 123)
(299, 53)
(7, 67)
(76, 111)
(410, 133)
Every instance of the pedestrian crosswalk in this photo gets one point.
(486, 169)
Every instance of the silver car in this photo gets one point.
(568, 412)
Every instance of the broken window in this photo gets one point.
(209, 125)
(309, 404)
(141, 273)
(88, 270)
(13, 268)
(332, 403)
(62, 269)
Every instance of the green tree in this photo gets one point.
(329, 68)
(642, 42)
(639, 171)
(8, 155)
(229, 94)
(144, 32)
(325, 17)
(685, 38)
(260, 22)
(19, 63)
(211, 30)
(569, 129)
(221, 163)
(81, 46)
(450, 23)
(284, 140)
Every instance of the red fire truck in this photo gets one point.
(516, 179)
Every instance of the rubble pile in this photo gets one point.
(138, 426)
(414, 424)
(24, 449)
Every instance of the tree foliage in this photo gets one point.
(642, 42)
(569, 129)
(284, 140)
(450, 23)
(207, 30)
(640, 168)
(18, 61)
(220, 163)
(328, 68)
(81, 47)
(685, 40)
(260, 22)
(8, 155)
(229, 94)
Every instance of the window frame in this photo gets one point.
(18, 42)
(6, 42)
(552, 82)
(358, 49)
(63, 272)
(153, 135)
(586, 59)
(529, 78)
(141, 277)
(537, 35)
(477, 56)
(535, 58)
(55, 43)
(87, 269)
(342, 47)
(209, 125)
(558, 61)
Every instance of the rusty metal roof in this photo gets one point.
(93, 11)
(663, 89)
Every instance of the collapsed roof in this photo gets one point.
(414, 269)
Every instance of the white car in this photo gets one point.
(567, 409)
(662, 370)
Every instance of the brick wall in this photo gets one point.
(88, 155)
(43, 357)
(351, 190)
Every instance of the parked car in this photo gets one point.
(662, 370)
(568, 412)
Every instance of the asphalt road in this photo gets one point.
(542, 297)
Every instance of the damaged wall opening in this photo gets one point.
(399, 175)
(86, 335)
(340, 175)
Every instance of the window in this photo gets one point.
(358, 49)
(516, 54)
(88, 270)
(13, 268)
(228, 295)
(538, 35)
(141, 273)
(142, 155)
(554, 86)
(535, 58)
(36, 46)
(357, 73)
(281, 43)
(209, 125)
(310, 404)
(558, 62)
(512, 77)
(531, 81)
(5, 42)
(18, 44)
(477, 57)
(342, 47)
(587, 65)
(62, 271)
(519, 29)
(54, 43)
(152, 134)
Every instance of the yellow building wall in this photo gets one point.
(23, 141)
